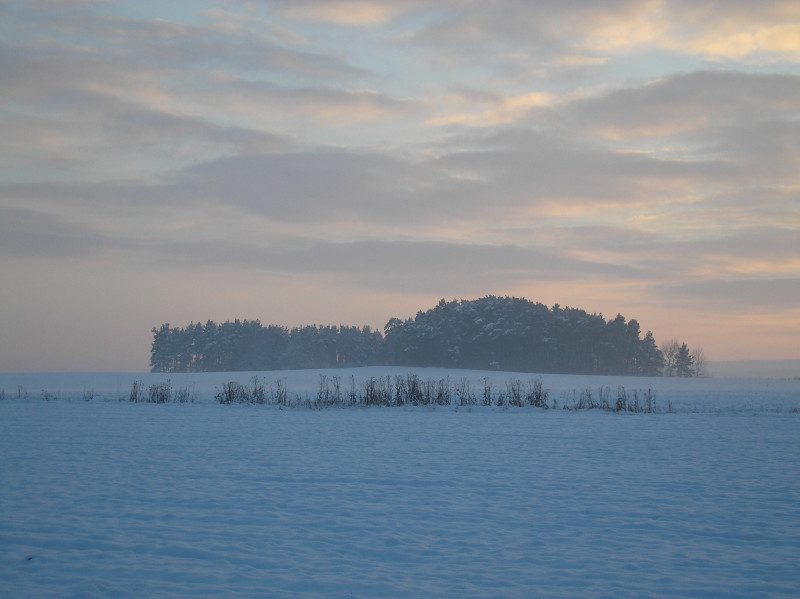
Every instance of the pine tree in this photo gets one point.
(650, 359)
(684, 362)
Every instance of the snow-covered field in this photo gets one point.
(107, 498)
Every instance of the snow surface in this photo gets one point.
(107, 498)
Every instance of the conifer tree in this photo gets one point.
(684, 362)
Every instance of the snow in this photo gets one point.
(106, 498)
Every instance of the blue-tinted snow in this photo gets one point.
(113, 499)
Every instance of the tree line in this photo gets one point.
(499, 333)
(247, 345)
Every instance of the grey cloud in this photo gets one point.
(742, 296)
(602, 237)
(401, 265)
(386, 258)
(741, 129)
(431, 266)
(316, 101)
(32, 234)
(72, 195)
(438, 267)
(756, 205)
(523, 41)
(656, 257)
(61, 121)
(511, 39)
(708, 13)
(51, 79)
(530, 166)
(68, 3)
(473, 22)
(425, 266)
(126, 124)
(726, 255)
(497, 173)
(772, 244)
(504, 172)
(508, 21)
(324, 186)
(551, 29)
(88, 102)
(262, 58)
(49, 46)
(704, 99)
(770, 148)
(304, 186)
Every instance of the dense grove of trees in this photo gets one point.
(249, 345)
(501, 333)
(519, 335)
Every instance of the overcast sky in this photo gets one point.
(344, 162)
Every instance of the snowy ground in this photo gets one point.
(105, 498)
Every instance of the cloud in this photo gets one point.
(320, 186)
(34, 234)
(748, 252)
(105, 49)
(762, 32)
(507, 38)
(238, 24)
(690, 105)
(737, 296)
(85, 74)
(548, 170)
(100, 136)
(623, 28)
(722, 254)
(271, 103)
(508, 175)
(769, 150)
(780, 41)
(328, 190)
(495, 110)
(381, 266)
(342, 12)
(555, 33)
(377, 264)
(69, 3)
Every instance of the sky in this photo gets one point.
(349, 161)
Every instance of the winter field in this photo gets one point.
(104, 497)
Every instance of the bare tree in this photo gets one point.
(699, 362)
(670, 350)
